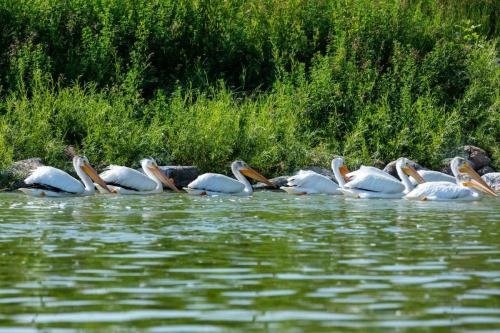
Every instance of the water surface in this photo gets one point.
(272, 263)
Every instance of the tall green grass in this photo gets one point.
(281, 84)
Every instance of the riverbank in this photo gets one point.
(277, 84)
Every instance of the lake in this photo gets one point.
(268, 263)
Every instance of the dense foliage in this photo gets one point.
(280, 84)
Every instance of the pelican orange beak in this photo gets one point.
(249, 172)
(164, 179)
(343, 172)
(479, 186)
(467, 169)
(410, 171)
(90, 171)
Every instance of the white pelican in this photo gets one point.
(434, 176)
(310, 182)
(467, 185)
(366, 182)
(217, 184)
(430, 175)
(53, 182)
(124, 180)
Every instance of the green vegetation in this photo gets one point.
(280, 84)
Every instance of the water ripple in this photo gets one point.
(272, 262)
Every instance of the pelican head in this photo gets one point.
(82, 163)
(407, 167)
(338, 164)
(460, 165)
(460, 168)
(247, 171)
(467, 181)
(151, 165)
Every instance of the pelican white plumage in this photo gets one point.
(310, 182)
(47, 181)
(125, 180)
(217, 184)
(467, 187)
(366, 182)
(431, 175)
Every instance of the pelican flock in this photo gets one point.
(364, 183)
(468, 186)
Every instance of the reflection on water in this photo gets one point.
(273, 262)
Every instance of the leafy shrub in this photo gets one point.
(281, 84)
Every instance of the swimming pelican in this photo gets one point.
(310, 182)
(430, 175)
(366, 182)
(467, 185)
(433, 176)
(47, 181)
(125, 180)
(216, 184)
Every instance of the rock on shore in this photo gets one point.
(493, 179)
(390, 168)
(13, 177)
(278, 181)
(477, 158)
(181, 174)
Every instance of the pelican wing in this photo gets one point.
(371, 169)
(313, 182)
(376, 181)
(214, 182)
(127, 178)
(54, 178)
(434, 176)
(441, 191)
(363, 170)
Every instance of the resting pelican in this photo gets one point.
(217, 184)
(53, 182)
(124, 180)
(310, 182)
(366, 182)
(468, 182)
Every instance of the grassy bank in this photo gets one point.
(280, 84)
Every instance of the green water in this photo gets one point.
(269, 263)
